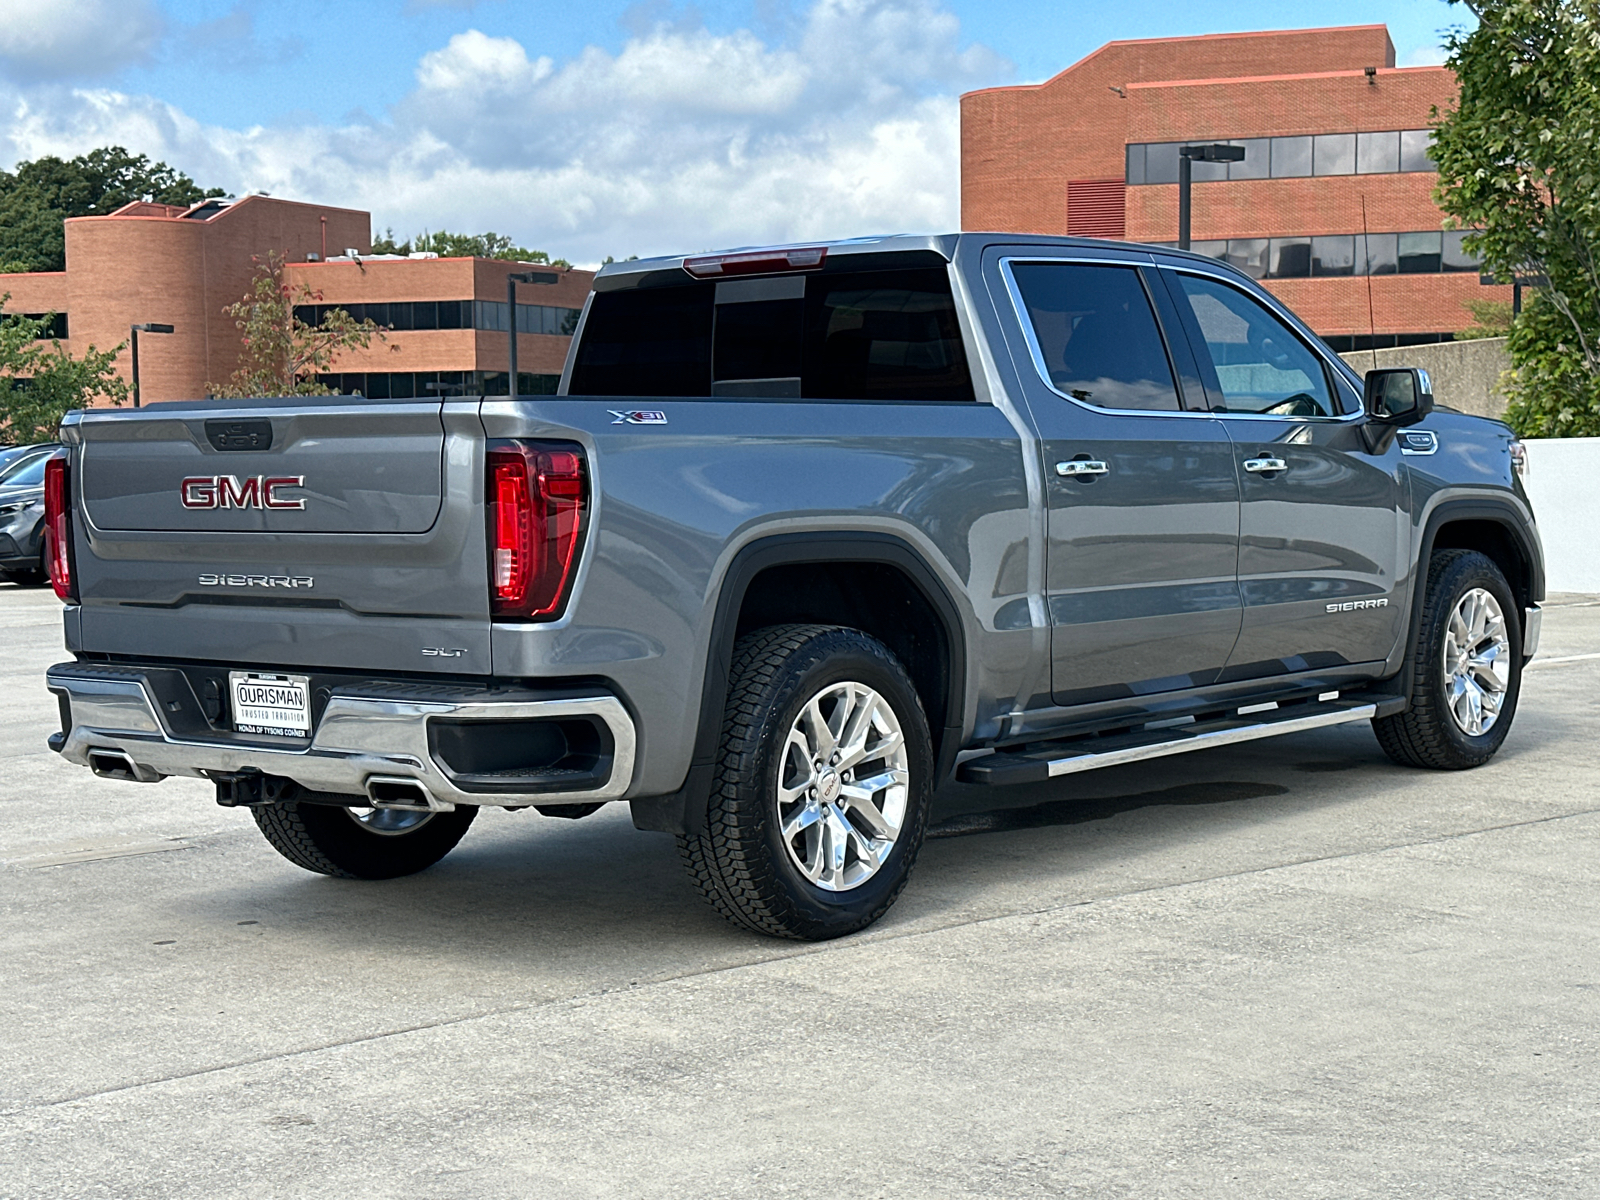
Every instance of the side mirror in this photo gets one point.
(1398, 395)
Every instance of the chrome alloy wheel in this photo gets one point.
(1477, 662)
(843, 783)
(389, 822)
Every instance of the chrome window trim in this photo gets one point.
(1037, 355)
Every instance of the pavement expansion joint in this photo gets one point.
(834, 947)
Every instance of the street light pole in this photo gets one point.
(1212, 152)
(512, 280)
(133, 332)
(1184, 170)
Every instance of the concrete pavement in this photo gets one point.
(1284, 969)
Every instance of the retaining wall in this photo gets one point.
(1466, 375)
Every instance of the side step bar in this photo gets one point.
(1039, 762)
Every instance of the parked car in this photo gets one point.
(806, 534)
(22, 513)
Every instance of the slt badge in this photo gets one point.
(639, 416)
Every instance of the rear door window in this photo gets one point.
(834, 335)
(1095, 335)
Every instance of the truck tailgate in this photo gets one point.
(309, 531)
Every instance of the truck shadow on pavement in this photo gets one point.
(597, 890)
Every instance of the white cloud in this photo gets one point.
(682, 139)
(75, 39)
(1425, 56)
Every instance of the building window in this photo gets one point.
(429, 385)
(1414, 145)
(1333, 255)
(1384, 153)
(1377, 153)
(1291, 157)
(1426, 252)
(1333, 154)
(406, 315)
(54, 329)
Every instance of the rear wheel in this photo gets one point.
(820, 798)
(361, 843)
(24, 578)
(1466, 669)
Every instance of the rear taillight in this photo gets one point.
(537, 496)
(58, 528)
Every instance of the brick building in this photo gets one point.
(1331, 208)
(446, 318)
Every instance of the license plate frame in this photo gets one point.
(280, 705)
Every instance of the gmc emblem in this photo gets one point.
(229, 491)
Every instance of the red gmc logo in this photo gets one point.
(229, 491)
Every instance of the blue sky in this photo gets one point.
(602, 127)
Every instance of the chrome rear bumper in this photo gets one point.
(366, 737)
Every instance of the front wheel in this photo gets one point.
(1466, 668)
(361, 843)
(820, 797)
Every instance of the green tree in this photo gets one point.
(40, 382)
(39, 195)
(1490, 319)
(280, 354)
(463, 245)
(1519, 160)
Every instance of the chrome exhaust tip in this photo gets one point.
(401, 792)
(119, 764)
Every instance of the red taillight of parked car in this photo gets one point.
(58, 529)
(537, 497)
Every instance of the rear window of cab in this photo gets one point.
(886, 335)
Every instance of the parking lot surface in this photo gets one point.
(1283, 969)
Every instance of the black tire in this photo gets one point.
(740, 863)
(327, 839)
(25, 578)
(1426, 734)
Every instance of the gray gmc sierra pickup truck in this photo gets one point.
(806, 533)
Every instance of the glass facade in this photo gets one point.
(406, 315)
(425, 385)
(1425, 253)
(1385, 153)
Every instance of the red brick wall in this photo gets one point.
(1022, 148)
(1020, 145)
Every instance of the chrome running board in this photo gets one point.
(1038, 762)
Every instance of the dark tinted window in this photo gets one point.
(867, 335)
(756, 337)
(883, 335)
(1261, 366)
(647, 342)
(1097, 335)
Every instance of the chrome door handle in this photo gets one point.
(1265, 463)
(1079, 466)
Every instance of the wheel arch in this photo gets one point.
(860, 579)
(1492, 528)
